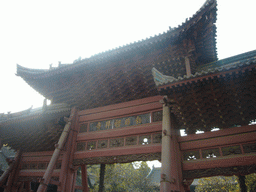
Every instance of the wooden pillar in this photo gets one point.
(102, 174)
(187, 65)
(28, 186)
(84, 178)
(242, 183)
(171, 172)
(47, 175)
(71, 170)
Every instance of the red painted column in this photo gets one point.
(84, 178)
(171, 173)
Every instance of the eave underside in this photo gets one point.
(214, 102)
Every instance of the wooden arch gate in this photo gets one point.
(143, 130)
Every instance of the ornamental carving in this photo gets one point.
(131, 140)
(91, 145)
(226, 171)
(157, 116)
(118, 159)
(80, 146)
(210, 153)
(157, 138)
(191, 155)
(119, 142)
(250, 148)
(83, 128)
(145, 139)
(102, 144)
(231, 150)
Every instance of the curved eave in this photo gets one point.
(228, 65)
(172, 34)
(30, 114)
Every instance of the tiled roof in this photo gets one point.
(238, 61)
(124, 73)
(34, 129)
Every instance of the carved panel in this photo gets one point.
(157, 116)
(102, 144)
(118, 159)
(131, 140)
(33, 165)
(227, 171)
(25, 166)
(42, 165)
(119, 142)
(231, 150)
(210, 153)
(191, 155)
(91, 145)
(145, 139)
(58, 165)
(120, 122)
(83, 128)
(157, 138)
(249, 148)
(80, 146)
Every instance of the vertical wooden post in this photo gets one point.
(171, 172)
(28, 186)
(47, 175)
(242, 183)
(187, 64)
(12, 171)
(71, 171)
(102, 174)
(84, 178)
(65, 161)
(165, 185)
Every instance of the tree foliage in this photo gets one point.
(126, 178)
(218, 184)
(250, 181)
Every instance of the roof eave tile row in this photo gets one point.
(161, 79)
(171, 33)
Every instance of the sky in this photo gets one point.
(36, 34)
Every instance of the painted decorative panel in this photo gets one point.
(157, 138)
(102, 144)
(119, 142)
(80, 146)
(210, 153)
(191, 155)
(91, 145)
(42, 165)
(58, 165)
(120, 122)
(83, 128)
(25, 166)
(131, 140)
(157, 116)
(249, 148)
(145, 140)
(33, 166)
(231, 150)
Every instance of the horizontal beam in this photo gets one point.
(38, 159)
(220, 133)
(229, 161)
(121, 112)
(118, 151)
(121, 105)
(218, 141)
(37, 173)
(121, 132)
